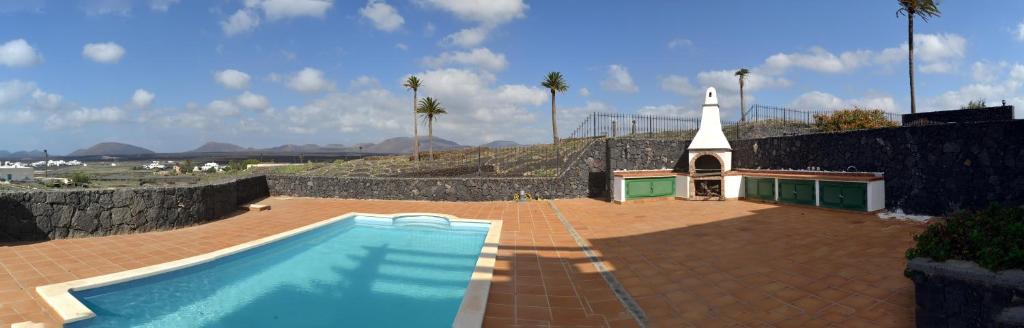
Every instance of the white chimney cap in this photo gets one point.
(711, 97)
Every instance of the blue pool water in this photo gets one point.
(357, 272)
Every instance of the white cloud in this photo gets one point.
(401, 46)
(680, 43)
(480, 57)
(468, 38)
(104, 53)
(310, 80)
(233, 79)
(671, 110)
(18, 117)
(817, 100)
(105, 7)
(18, 53)
(278, 9)
(490, 12)
(46, 100)
(383, 15)
(585, 92)
(374, 110)
(222, 108)
(679, 85)
(933, 53)
(365, 82)
(13, 90)
(986, 71)
(142, 98)
(84, 115)
(619, 80)
(162, 5)
(820, 60)
(1009, 89)
(243, 20)
(1020, 31)
(253, 101)
(726, 80)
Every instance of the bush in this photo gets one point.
(852, 119)
(974, 104)
(79, 178)
(993, 238)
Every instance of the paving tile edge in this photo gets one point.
(618, 289)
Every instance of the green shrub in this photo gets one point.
(852, 119)
(974, 104)
(993, 238)
(79, 178)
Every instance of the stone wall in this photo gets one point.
(578, 180)
(1003, 113)
(57, 214)
(934, 169)
(962, 294)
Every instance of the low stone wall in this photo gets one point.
(962, 294)
(57, 214)
(578, 180)
(1003, 113)
(934, 169)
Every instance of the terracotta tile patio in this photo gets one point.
(687, 263)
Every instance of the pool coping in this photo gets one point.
(471, 310)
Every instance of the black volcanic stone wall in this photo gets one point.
(962, 294)
(58, 214)
(1003, 113)
(932, 169)
(584, 177)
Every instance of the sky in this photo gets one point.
(170, 75)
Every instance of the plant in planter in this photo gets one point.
(993, 238)
(967, 270)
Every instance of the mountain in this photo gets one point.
(307, 148)
(218, 147)
(21, 155)
(500, 144)
(402, 145)
(111, 149)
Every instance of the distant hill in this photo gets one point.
(218, 147)
(21, 155)
(500, 144)
(111, 149)
(401, 145)
(307, 148)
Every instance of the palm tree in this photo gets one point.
(920, 8)
(742, 74)
(556, 84)
(430, 109)
(413, 83)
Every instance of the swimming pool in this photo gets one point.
(356, 270)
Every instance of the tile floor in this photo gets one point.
(687, 263)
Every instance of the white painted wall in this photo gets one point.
(683, 186)
(876, 195)
(16, 173)
(731, 185)
(619, 189)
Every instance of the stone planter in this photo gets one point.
(962, 294)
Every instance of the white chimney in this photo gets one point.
(709, 135)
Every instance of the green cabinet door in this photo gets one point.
(797, 192)
(650, 187)
(760, 188)
(844, 195)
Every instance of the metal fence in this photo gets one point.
(637, 125)
(774, 113)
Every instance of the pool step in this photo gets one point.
(256, 207)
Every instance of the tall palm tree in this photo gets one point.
(430, 109)
(921, 8)
(413, 83)
(556, 84)
(742, 74)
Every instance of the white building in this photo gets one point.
(12, 173)
(155, 165)
(206, 167)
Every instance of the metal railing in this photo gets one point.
(635, 125)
